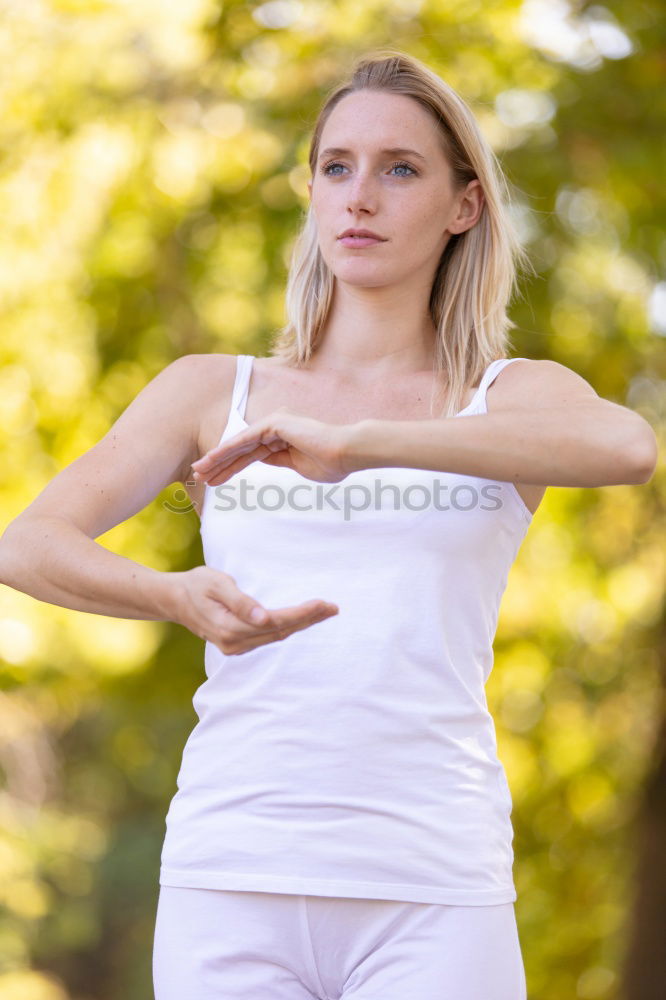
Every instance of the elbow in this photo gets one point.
(641, 456)
(10, 548)
(5, 576)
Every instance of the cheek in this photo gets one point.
(430, 214)
(436, 220)
(324, 214)
(422, 233)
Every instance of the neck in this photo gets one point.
(376, 333)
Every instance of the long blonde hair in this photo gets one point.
(477, 273)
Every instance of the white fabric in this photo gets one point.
(211, 944)
(357, 757)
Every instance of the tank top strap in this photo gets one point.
(489, 376)
(241, 384)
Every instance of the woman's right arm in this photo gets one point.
(50, 559)
(48, 550)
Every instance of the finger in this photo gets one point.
(281, 459)
(218, 474)
(276, 635)
(284, 619)
(241, 605)
(292, 618)
(306, 623)
(239, 444)
(214, 466)
(295, 617)
(212, 461)
(222, 471)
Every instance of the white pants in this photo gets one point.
(213, 944)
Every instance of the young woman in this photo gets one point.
(342, 821)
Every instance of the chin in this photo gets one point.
(358, 270)
(360, 280)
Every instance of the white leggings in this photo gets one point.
(220, 944)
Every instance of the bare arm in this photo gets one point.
(49, 551)
(548, 426)
(50, 559)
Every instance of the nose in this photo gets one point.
(362, 194)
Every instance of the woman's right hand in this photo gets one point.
(209, 604)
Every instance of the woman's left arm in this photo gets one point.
(547, 426)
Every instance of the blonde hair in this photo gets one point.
(476, 276)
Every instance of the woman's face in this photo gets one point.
(407, 198)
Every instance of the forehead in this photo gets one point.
(370, 117)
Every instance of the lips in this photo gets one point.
(367, 233)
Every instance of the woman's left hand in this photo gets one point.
(314, 449)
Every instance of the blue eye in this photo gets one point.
(406, 165)
(399, 163)
(327, 168)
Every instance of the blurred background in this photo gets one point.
(152, 177)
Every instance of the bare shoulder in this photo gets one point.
(528, 383)
(198, 388)
(150, 445)
(207, 369)
(212, 378)
(542, 382)
(198, 373)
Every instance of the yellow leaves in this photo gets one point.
(52, 201)
(568, 738)
(188, 159)
(18, 411)
(298, 179)
(596, 983)
(520, 710)
(13, 861)
(133, 746)
(235, 259)
(172, 31)
(593, 270)
(520, 763)
(27, 898)
(517, 684)
(154, 168)
(223, 119)
(278, 193)
(592, 799)
(25, 984)
(71, 844)
(636, 589)
(127, 246)
(230, 314)
(18, 640)
(178, 164)
(574, 326)
(114, 645)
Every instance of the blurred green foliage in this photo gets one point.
(152, 175)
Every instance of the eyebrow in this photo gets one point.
(393, 151)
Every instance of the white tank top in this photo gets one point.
(356, 757)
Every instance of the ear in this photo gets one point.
(470, 207)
